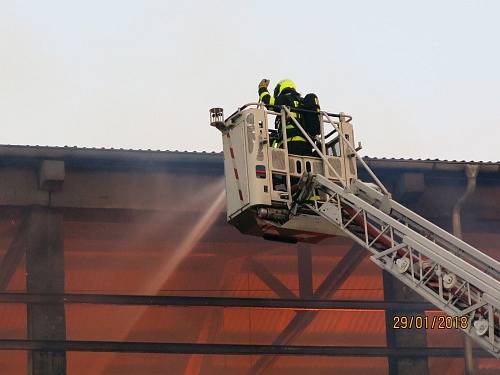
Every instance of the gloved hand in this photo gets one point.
(264, 83)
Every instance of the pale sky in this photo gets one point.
(420, 78)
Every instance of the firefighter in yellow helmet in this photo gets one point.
(285, 93)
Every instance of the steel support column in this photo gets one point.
(304, 266)
(401, 338)
(45, 274)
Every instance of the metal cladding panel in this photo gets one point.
(257, 158)
(246, 162)
(278, 160)
(235, 168)
(337, 164)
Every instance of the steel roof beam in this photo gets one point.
(228, 349)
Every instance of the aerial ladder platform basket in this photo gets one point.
(286, 197)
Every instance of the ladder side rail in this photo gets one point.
(414, 283)
(403, 242)
(490, 302)
(417, 284)
(432, 253)
(455, 268)
(446, 236)
(464, 269)
(490, 265)
(424, 291)
(489, 343)
(481, 302)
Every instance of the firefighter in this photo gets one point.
(285, 93)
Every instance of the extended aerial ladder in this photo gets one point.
(269, 193)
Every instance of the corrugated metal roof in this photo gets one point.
(104, 149)
(96, 156)
(148, 158)
(374, 158)
(196, 152)
(430, 164)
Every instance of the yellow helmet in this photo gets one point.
(284, 84)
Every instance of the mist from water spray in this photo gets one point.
(187, 245)
(169, 265)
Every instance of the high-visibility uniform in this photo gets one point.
(296, 142)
